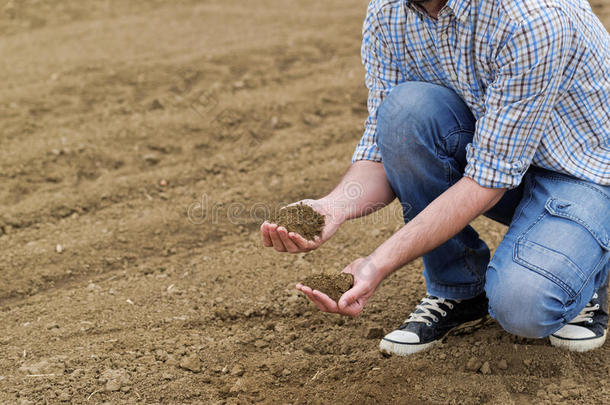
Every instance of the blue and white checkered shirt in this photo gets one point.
(536, 75)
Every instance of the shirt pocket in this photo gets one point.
(567, 244)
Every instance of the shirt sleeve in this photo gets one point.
(518, 104)
(382, 74)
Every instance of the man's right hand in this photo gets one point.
(281, 240)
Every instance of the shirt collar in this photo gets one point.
(415, 7)
(460, 8)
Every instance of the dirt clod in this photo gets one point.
(485, 368)
(473, 364)
(113, 385)
(373, 333)
(332, 285)
(237, 370)
(301, 219)
(191, 363)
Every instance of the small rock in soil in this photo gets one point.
(502, 364)
(485, 368)
(113, 385)
(45, 366)
(237, 370)
(309, 349)
(238, 386)
(261, 344)
(171, 361)
(473, 364)
(191, 363)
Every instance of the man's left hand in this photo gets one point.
(366, 280)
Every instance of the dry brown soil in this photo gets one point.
(301, 219)
(333, 285)
(142, 144)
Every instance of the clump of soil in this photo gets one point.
(301, 219)
(332, 285)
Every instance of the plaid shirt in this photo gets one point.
(536, 75)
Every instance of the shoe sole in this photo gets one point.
(389, 347)
(580, 345)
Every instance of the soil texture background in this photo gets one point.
(143, 144)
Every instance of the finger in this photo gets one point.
(329, 303)
(275, 238)
(288, 243)
(351, 296)
(353, 310)
(266, 239)
(309, 293)
(300, 241)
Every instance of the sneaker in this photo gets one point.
(588, 330)
(432, 320)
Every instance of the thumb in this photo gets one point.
(352, 296)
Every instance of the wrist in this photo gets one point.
(383, 264)
(334, 208)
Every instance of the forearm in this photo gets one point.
(363, 189)
(441, 220)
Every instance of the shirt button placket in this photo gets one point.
(445, 50)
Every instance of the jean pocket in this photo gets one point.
(567, 244)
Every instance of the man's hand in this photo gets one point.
(363, 189)
(281, 240)
(366, 280)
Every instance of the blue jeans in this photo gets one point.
(556, 252)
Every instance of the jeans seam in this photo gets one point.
(579, 182)
(542, 272)
(532, 267)
(594, 271)
(453, 131)
(530, 190)
(601, 239)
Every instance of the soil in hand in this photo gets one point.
(301, 219)
(332, 285)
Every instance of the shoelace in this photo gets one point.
(426, 306)
(586, 315)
